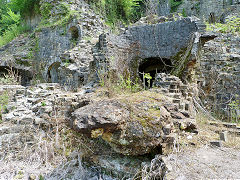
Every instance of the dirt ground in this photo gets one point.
(200, 161)
(205, 163)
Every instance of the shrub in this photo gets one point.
(12, 32)
(25, 7)
(117, 10)
(232, 25)
(174, 4)
(235, 109)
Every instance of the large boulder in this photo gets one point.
(132, 125)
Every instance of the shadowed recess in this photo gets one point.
(154, 65)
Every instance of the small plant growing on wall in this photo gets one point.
(232, 25)
(148, 77)
(174, 4)
(235, 109)
(43, 104)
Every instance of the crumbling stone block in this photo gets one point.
(224, 136)
(216, 143)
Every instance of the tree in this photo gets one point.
(25, 7)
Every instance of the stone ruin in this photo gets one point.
(76, 55)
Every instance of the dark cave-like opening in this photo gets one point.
(153, 66)
(74, 33)
(24, 77)
(53, 72)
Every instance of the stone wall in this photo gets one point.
(15, 60)
(210, 10)
(65, 50)
(52, 43)
(220, 67)
(175, 43)
(164, 39)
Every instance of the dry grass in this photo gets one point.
(233, 142)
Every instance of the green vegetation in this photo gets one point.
(11, 13)
(128, 84)
(43, 104)
(148, 77)
(45, 10)
(117, 84)
(25, 7)
(3, 103)
(48, 22)
(232, 25)
(116, 11)
(11, 77)
(235, 109)
(174, 4)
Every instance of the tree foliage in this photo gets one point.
(11, 13)
(117, 10)
(25, 7)
(174, 4)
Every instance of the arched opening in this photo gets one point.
(52, 73)
(13, 75)
(152, 66)
(74, 33)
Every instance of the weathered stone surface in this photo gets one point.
(166, 47)
(224, 136)
(220, 75)
(212, 10)
(104, 114)
(162, 40)
(130, 129)
(216, 143)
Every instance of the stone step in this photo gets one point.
(216, 143)
(18, 97)
(175, 95)
(173, 86)
(9, 129)
(22, 119)
(225, 124)
(182, 106)
(48, 86)
(183, 87)
(234, 133)
(177, 101)
(13, 128)
(20, 91)
(230, 125)
(172, 78)
(15, 141)
(174, 90)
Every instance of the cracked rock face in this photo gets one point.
(112, 122)
(130, 126)
(103, 114)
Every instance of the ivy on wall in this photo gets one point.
(174, 4)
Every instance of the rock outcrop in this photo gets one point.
(15, 59)
(137, 124)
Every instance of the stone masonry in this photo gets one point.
(220, 70)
